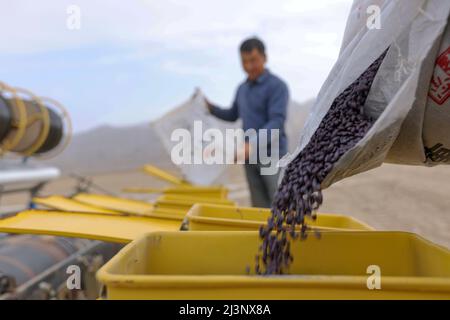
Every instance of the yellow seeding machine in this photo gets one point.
(191, 242)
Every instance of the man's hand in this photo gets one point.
(247, 150)
(207, 103)
(244, 154)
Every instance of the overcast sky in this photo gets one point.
(133, 60)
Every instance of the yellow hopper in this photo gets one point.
(225, 218)
(58, 202)
(340, 265)
(179, 186)
(115, 203)
(104, 227)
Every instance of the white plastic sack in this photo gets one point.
(199, 171)
(408, 122)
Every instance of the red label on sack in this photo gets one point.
(440, 82)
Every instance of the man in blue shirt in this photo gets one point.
(261, 102)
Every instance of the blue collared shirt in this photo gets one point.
(261, 104)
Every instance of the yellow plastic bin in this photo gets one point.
(177, 209)
(193, 198)
(58, 202)
(211, 217)
(183, 206)
(197, 191)
(204, 192)
(190, 200)
(212, 265)
(100, 226)
(169, 215)
(118, 204)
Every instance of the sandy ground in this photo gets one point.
(391, 197)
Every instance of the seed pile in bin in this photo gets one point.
(299, 193)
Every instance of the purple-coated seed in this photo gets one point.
(299, 193)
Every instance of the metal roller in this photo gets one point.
(55, 134)
(35, 127)
(24, 257)
(5, 118)
(31, 125)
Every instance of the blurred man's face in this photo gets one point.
(253, 63)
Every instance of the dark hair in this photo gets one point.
(253, 43)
